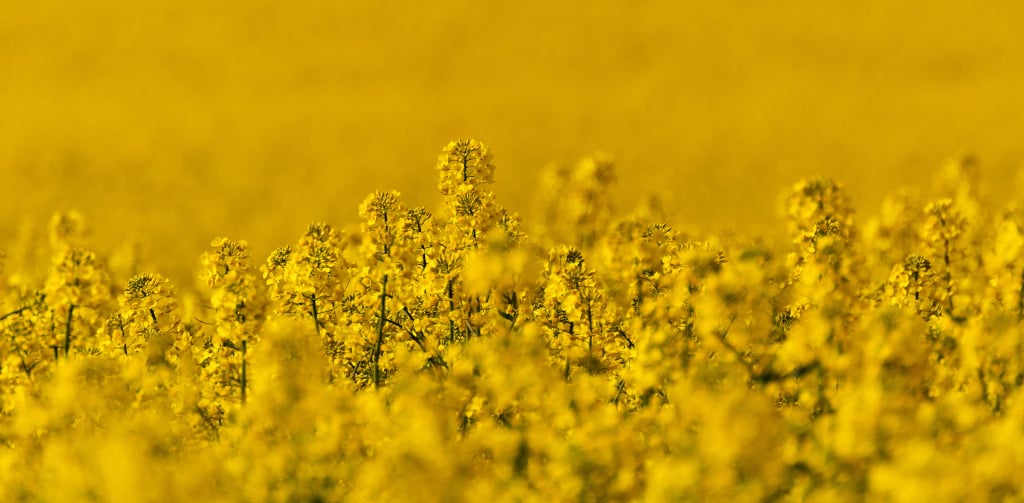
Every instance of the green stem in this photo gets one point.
(124, 336)
(590, 329)
(451, 308)
(15, 312)
(316, 315)
(380, 331)
(572, 335)
(949, 277)
(1020, 297)
(244, 377)
(67, 331)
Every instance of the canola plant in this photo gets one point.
(460, 353)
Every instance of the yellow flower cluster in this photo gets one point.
(462, 355)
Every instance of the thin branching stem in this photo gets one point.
(380, 330)
(15, 312)
(316, 314)
(245, 381)
(67, 331)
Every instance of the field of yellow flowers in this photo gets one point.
(796, 275)
(460, 353)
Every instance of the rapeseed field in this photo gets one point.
(647, 251)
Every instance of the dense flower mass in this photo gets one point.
(464, 354)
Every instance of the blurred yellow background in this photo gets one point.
(175, 121)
